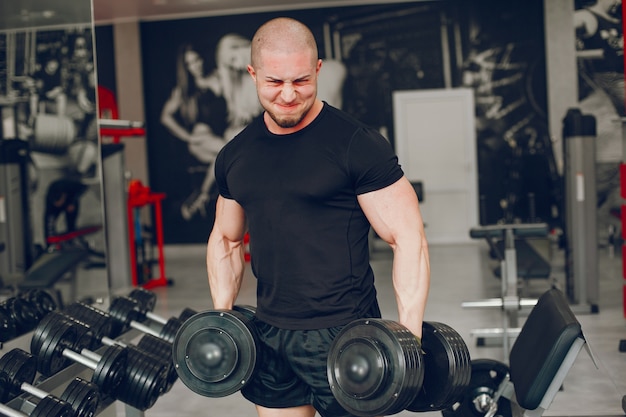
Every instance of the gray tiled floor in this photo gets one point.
(459, 273)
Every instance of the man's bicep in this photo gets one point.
(392, 210)
(230, 219)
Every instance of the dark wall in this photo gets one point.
(105, 56)
(494, 47)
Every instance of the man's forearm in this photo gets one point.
(225, 266)
(411, 279)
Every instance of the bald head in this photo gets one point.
(282, 35)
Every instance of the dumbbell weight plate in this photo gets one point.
(23, 313)
(487, 374)
(447, 368)
(50, 359)
(153, 382)
(101, 322)
(161, 349)
(145, 381)
(42, 333)
(170, 328)
(16, 366)
(111, 370)
(375, 367)
(8, 330)
(248, 310)
(215, 352)
(147, 299)
(126, 309)
(157, 346)
(41, 300)
(186, 314)
(84, 396)
(52, 407)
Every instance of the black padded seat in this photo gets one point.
(545, 339)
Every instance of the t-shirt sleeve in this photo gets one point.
(220, 175)
(372, 161)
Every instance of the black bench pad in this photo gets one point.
(50, 267)
(545, 339)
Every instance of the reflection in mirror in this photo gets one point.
(51, 217)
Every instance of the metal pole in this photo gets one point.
(581, 253)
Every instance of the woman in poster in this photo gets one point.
(206, 110)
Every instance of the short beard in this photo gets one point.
(287, 123)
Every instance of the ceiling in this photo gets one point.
(106, 11)
(22, 14)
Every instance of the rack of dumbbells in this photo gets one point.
(81, 358)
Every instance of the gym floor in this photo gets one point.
(459, 273)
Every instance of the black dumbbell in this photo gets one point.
(156, 345)
(8, 330)
(41, 300)
(22, 312)
(140, 385)
(17, 373)
(186, 314)
(216, 352)
(132, 314)
(47, 407)
(101, 323)
(91, 340)
(144, 297)
(57, 351)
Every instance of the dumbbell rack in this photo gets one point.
(56, 383)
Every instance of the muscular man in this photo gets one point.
(307, 181)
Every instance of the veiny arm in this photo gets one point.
(394, 215)
(225, 253)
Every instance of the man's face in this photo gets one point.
(287, 86)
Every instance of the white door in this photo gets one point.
(435, 139)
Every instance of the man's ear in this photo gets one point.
(252, 72)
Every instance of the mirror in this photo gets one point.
(51, 205)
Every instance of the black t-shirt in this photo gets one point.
(308, 234)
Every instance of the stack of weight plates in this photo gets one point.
(375, 367)
(447, 368)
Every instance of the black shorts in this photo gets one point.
(292, 370)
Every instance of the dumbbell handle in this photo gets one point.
(144, 329)
(155, 317)
(36, 392)
(107, 341)
(91, 355)
(81, 358)
(5, 410)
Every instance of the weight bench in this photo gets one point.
(530, 264)
(512, 268)
(545, 350)
(49, 268)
